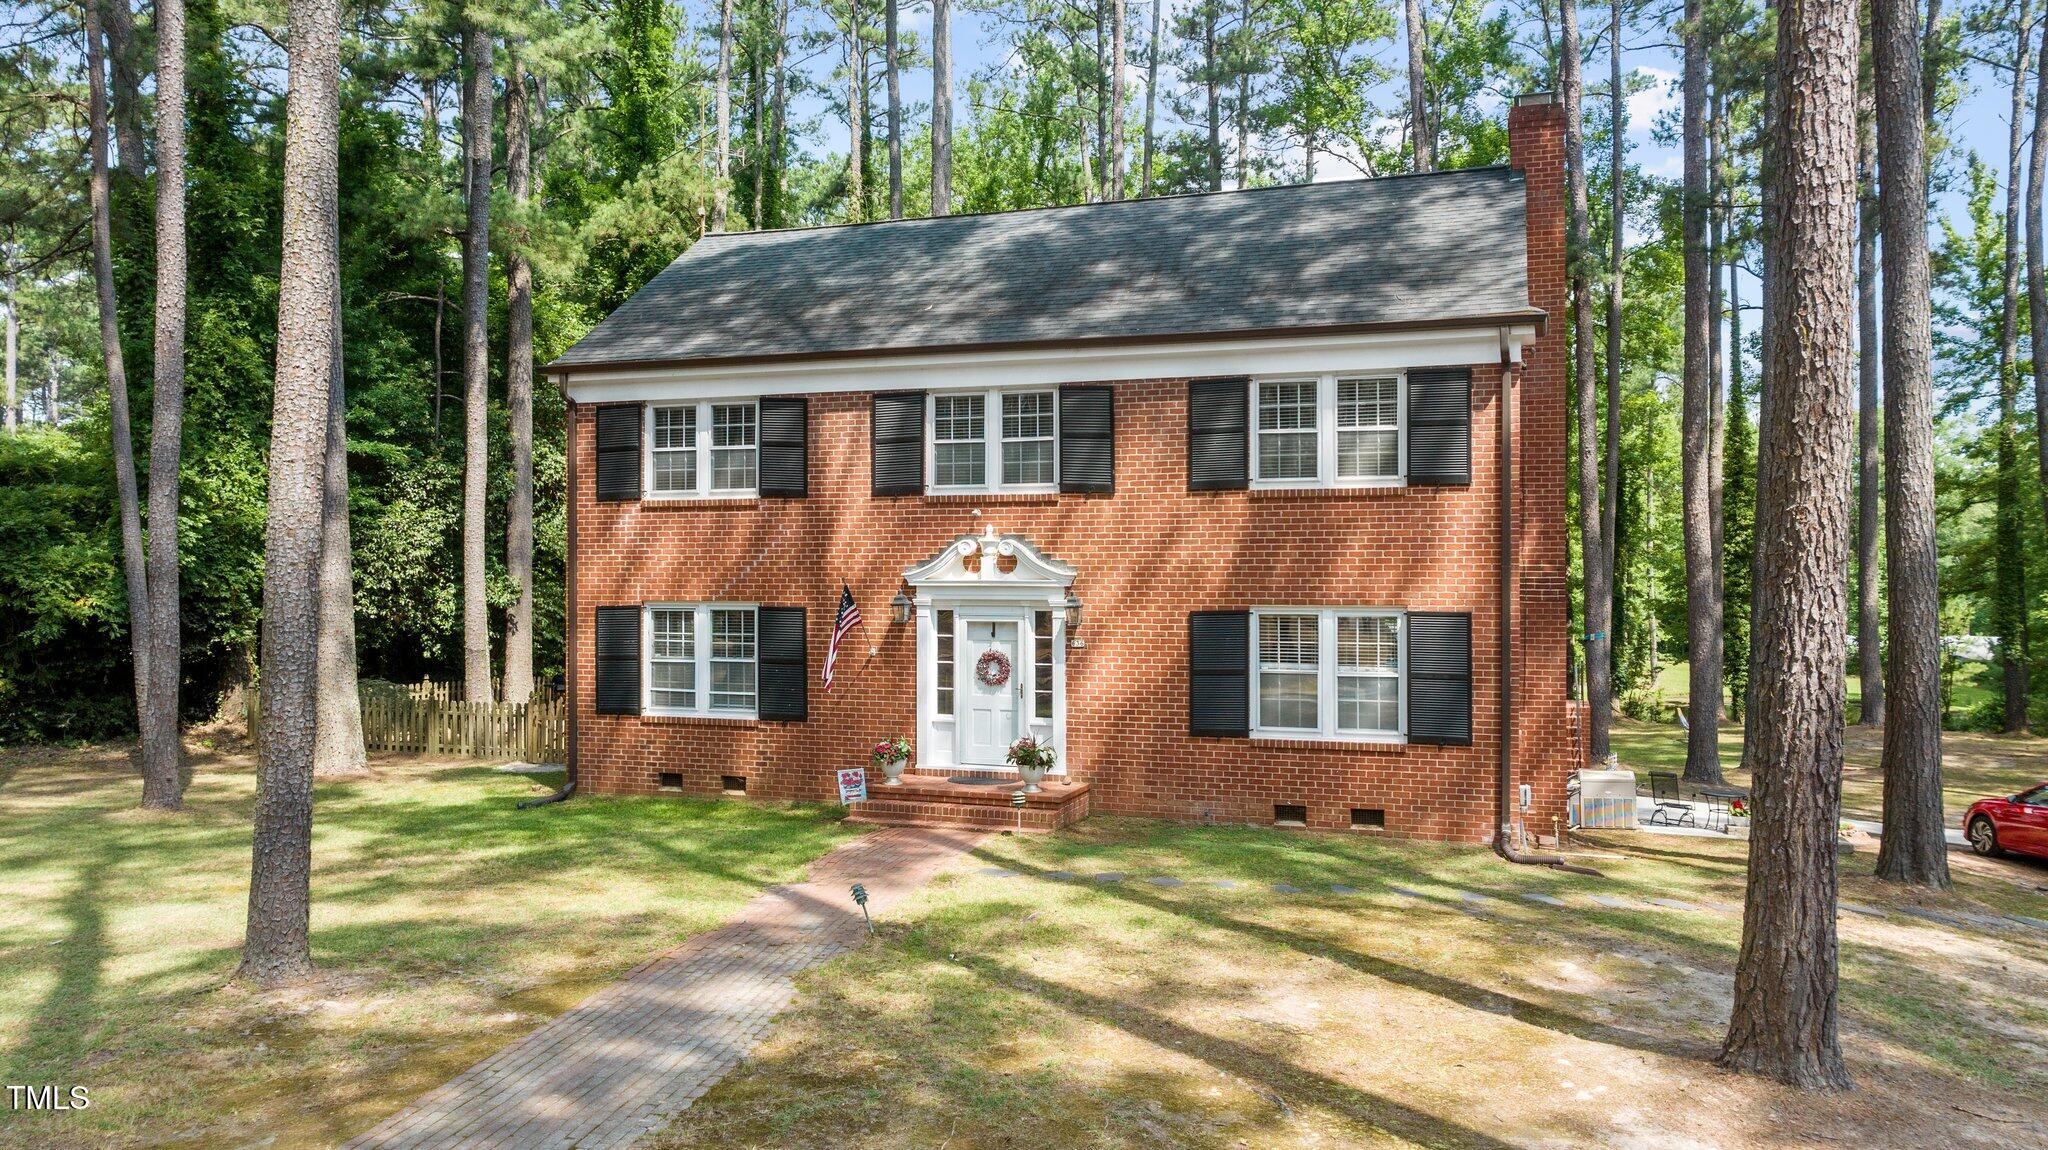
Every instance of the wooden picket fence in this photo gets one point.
(422, 719)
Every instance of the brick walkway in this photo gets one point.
(633, 1055)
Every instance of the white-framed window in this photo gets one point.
(702, 659)
(1328, 673)
(706, 450)
(994, 440)
(1331, 430)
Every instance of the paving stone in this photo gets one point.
(1061, 875)
(1674, 904)
(1165, 880)
(996, 872)
(1865, 911)
(1727, 907)
(1340, 888)
(1611, 902)
(629, 1058)
(2023, 920)
(1922, 912)
(1223, 883)
(1473, 896)
(1110, 876)
(1406, 893)
(1286, 888)
(1545, 899)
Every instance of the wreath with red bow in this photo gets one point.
(993, 668)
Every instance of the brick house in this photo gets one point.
(1206, 491)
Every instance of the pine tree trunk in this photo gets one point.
(1717, 415)
(722, 98)
(1914, 848)
(338, 740)
(134, 564)
(1419, 132)
(519, 383)
(2009, 596)
(1585, 382)
(942, 107)
(2037, 283)
(1116, 100)
(1702, 581)
(13, 415)
(778, 107)
(1212, 79)
(476, 352)
(1244, 100)
(275, 949)
(856, 117)
(1600, 607)
(1785, 1019)
(1869, 637)
(890, 74)
(127, 88)
(1151, 101)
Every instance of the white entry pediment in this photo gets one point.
(976, 563)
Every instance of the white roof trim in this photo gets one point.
(948, 570)
(1053, 364)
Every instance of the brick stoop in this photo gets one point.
(931, 801)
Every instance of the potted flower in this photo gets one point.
(890, 755)
(1032, 759)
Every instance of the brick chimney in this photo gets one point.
(1536, 149)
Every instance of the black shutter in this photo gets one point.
(897, 443)
(1440, 425)
(618, 451)
(1087, 439)
(1440, 678)
(1219, 443)
(1219, 673)
(785, 447)
(618, 660)
(784, 680)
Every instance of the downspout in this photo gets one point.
(568, 787)
(1505, 783)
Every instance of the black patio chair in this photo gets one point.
(1668, 807)
(1717, 812)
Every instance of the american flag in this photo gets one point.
(849, 618)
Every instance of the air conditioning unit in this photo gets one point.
(1603, 799)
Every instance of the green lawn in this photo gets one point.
(1026, 1011)
(445, 922)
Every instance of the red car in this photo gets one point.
(2018, 824)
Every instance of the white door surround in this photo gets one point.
(992, 592)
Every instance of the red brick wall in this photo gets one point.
(1147, 555)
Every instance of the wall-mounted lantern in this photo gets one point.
(901, 606)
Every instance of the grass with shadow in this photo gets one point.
(445, 924)
(1050, 1009)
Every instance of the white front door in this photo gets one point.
(991, 710)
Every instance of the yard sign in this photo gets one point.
(853, 786)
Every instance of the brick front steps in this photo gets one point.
(931, 801)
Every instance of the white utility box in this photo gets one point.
(1604, 799)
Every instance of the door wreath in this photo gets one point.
(993, 668)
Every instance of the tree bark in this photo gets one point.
(1602, 704)
(338, 750)
(1116, 100)
(856, 117)
(1151, 101)
(127, 88)
(134, 564)
(778, 107)
(1784, 1023)
(13, 415)
(1702, 581)
(519, 383)
(275, 949)
(1914, 848)
(1869, 637)
(2037, 283)
(1244, 98)
(942, 107)
(890, 75)
(723, 98)
(476, 366)
(1212, 80)
(163, 784)
(1585, 382)
(1419, 132)
(2009, 595)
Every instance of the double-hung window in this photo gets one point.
(704, 450)
(702, 659)
(1327, 672)
(1327, 431)
(995, 440)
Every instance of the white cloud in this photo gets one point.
(1661, 96)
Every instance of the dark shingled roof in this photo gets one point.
(1400, 250)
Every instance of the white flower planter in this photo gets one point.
(892, 773)
(1031, 777)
